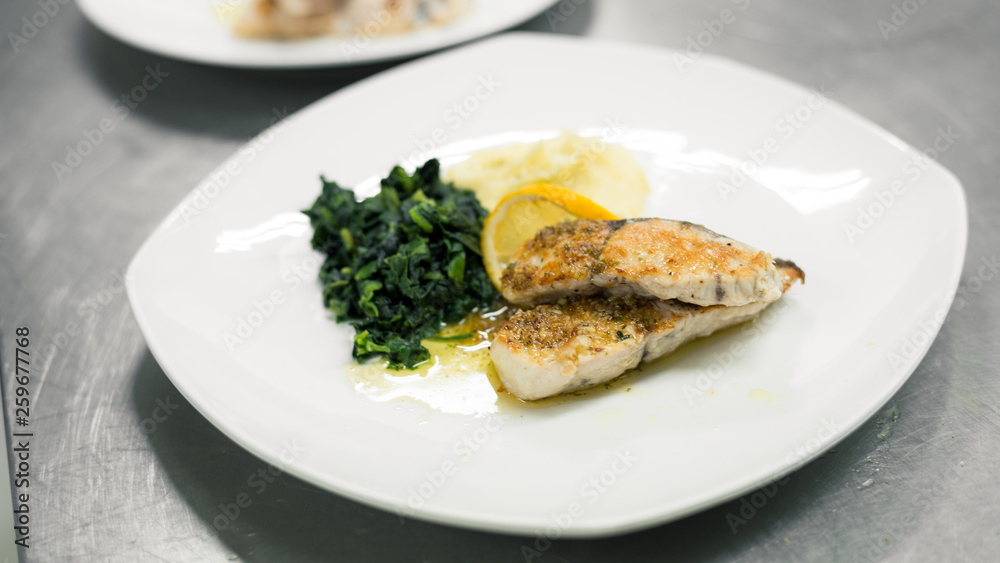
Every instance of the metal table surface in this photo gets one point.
(109, 482)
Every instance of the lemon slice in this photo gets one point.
(521, 214)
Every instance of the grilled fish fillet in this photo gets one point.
(645, 257)
(584, 341)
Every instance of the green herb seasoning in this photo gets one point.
(402, 262)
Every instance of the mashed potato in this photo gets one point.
(607, 174)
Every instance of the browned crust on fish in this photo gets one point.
(575, 250)
(650, 257)
(791, 272)
(603, 321)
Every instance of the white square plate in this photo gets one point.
(879, 230)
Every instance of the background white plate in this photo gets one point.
(803, 379)
(196, 30)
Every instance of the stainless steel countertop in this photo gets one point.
(111, 483)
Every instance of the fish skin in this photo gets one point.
(645, 257)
